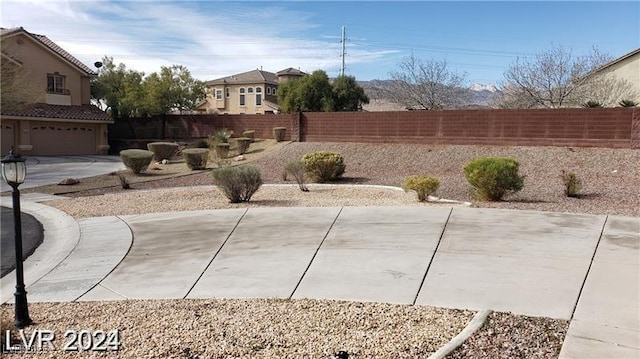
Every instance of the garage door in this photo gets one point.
(67, 139)
(8, 138)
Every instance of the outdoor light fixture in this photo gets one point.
(14, 172)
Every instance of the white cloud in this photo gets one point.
(212, 39)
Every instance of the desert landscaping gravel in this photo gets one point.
(316, 329)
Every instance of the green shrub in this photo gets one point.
(323, 166)
(162, 150)
(242, 144)
(196, 158)
(592, 104)
(572, 185)
(222, 150)
(249, 134)
(136, 160)
(238, 183)
(493, 177)
(424, 186)
(296, 169)
(221, 136)
(627, 103)
(278, 133)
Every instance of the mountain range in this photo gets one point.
(480, 96)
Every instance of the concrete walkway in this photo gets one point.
(583, 268)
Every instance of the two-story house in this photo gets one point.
(53, 114)
(252, 92)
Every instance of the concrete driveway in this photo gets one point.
(45, 170)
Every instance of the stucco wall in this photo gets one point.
(37, 62)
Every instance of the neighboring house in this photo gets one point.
(55, 115)
(252, 92)
(625, 67)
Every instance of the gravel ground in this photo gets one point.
(610, 177)
(262, 328)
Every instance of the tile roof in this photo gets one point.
(45, 41)
(290, 71)
(47, 111)
(249, 77)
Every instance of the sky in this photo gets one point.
(215, 39)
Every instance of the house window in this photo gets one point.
(55, 84)
(268, 90)
(218, 94)
(258, 96)
(250, 90)
(242, 98)
(228, 92)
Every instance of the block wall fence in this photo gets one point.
(577, 127)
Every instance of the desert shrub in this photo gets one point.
(222, 150)
(162, 150)
(572, 184)
(242, 144)
(136, 160)
(221, 136)
(196, 158)
(297, 170)
(491, 178)
(323, 166)
(249, 134)
(424, 186)
(278, 133)
(627, 103)
(592, 104)
(124, 182)
(238, 183)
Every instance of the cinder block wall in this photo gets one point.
(607, 127)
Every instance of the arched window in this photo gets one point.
(242, 97)
(250, 90)
(268, 90)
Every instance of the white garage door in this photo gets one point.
(65, 139)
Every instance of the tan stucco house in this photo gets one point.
(252, 92)
(626, 67)
(54, 116)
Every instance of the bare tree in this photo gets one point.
(607, 90)
(16, 86)
(555, 78)
(427, 85)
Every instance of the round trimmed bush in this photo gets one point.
(249, 134)
(242, 144)
(162, 150)
(491, 178)
(323, 166)
(196, 158)
(278, 133)
(424, 186)
(136, 160)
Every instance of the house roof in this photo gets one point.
(618, 60)
(249, 77)
(290, 71)
(43, 110)
(50, 45)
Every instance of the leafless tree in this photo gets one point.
(427, 85)
(16, 86)
(555, 78)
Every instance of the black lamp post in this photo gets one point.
(14, 171)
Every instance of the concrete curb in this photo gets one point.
(475, 324)
(61, 236)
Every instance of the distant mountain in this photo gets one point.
(480, 96)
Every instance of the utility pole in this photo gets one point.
(343, 48)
